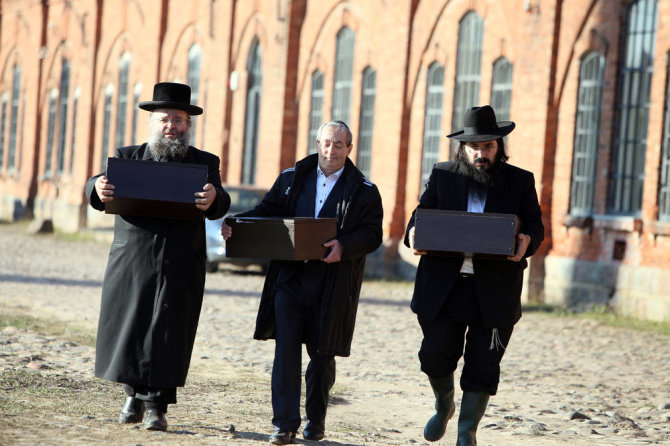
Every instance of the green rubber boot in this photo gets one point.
(443, 388)
(473, 406)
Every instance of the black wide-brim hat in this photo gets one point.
(480, 125)
(171, 95)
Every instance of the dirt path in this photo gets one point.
(564, 380)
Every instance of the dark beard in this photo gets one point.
(163, 149)
(483, 176)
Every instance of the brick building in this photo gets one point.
(585, 81)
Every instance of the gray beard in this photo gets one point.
(163, 149)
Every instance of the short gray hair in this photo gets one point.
(340, 125)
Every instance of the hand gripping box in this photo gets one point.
(155, 189)
(455, 232)
(275, 238)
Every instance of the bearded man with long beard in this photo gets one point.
(467, 306)
(155, 277)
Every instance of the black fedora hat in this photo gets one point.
(480, 125)
(171, 95)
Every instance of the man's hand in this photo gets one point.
(104, 189)
(205, 198)
(411, 242)
(335, 253)
(226, 231)
(523, 241)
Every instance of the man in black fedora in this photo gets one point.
(155, 276)
(467, 306)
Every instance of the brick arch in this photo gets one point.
(176, 67)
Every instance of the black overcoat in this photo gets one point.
(153, 288)
(359, 229)
(498, 283)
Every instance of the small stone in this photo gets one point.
(578, 416)
(231, 429)
(664, 406)
(536, 429)
(37, 365)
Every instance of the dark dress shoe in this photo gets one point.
(282, 437)
(132, 411)
(154, 420)
(313, 434)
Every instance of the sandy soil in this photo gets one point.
(564, 380)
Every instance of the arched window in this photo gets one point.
(193, 80)
(432, 122)
(106, 124)
(75, 107)
(664, 186)
(315, 110)
(3, 123)
(468, 70)
(14, 119)
(122, 100)
(587, 133)
(366, 121)
(62, 114)
(501, 88)
(51, 130)
(630, 139)
(343, 77)
(136, 100)
(252, 114)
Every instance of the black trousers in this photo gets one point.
(297, 320)
(153, 398)
(457, 331)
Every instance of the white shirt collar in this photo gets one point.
(335, 175)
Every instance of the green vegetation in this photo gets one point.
(50, 327)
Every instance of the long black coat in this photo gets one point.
(153, 288)
(359, 229)
(498, 282)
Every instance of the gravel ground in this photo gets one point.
(564, 380)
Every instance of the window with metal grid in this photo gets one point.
(252, 113)
(630, 140)
(432, 122)
(587, 133)
(315, 110)
(193, 80)
(122, 100)
(501, 88)
(51, 130)
(14, 117)
(664, 184)
(366, 121)
(343, 76)
(468, 70)
(106, 126)
(63, 104)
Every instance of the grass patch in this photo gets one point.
(74, 334)
(47, 392)
(604, 315)
(607, 317)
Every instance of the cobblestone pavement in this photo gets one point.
(564, 380)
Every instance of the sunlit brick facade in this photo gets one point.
(585, 82)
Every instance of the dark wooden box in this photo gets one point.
(299, 238)
(454, 232)
(155, 189)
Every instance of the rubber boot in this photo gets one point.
(473, 406)
(443, 388)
